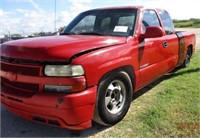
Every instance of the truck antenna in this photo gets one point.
(55, 18)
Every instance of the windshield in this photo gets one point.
(111, 22)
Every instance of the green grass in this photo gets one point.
(169, 107)
(188, 24)
(192, 23)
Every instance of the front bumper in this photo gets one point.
(73, 111)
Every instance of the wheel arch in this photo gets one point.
(128, 69)
(191, 47)
(125, 70)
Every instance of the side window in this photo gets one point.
(150, 18)
(85, 25)
(167, 22)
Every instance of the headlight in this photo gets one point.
(63, 70)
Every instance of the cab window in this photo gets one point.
(167, 22)
(150, 18)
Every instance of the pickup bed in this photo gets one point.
(92, 69)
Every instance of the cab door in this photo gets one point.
(151, 51)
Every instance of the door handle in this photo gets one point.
(165, 44)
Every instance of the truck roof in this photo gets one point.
(120, 7)
(127, 7)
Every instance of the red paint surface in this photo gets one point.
(148, 59)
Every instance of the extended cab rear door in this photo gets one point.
(170, 44)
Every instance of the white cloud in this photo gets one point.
(5, 13)
(4, 22)
(21, 11)
(79, 6)
(76, 6)
(1, 12)
(29, 21)
(178, 9)
(39, 20)
(63, 18)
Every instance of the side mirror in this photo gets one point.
(152, 32)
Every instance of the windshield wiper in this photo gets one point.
(67, 33)
(83, 33)
(91, 33)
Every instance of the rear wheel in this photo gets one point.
(187, 58)
(114, 98)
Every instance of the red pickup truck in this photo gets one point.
(92, 69)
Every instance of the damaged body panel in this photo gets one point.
(90, 71)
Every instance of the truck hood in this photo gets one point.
(56, 48)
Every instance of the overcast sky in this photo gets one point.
(29, 16)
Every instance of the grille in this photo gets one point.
(19, 69)
(19, 88)
(20, 85)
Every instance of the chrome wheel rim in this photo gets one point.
(115, 97)
(187, 59)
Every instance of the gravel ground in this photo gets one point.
(13, 126)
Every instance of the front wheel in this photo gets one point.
(187, 58)
(113, 99)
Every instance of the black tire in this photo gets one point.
(186, 62)
(113, 98)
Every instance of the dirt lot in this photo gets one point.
(12, 126)
(194, 30)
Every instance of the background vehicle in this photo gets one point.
(92, 69)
